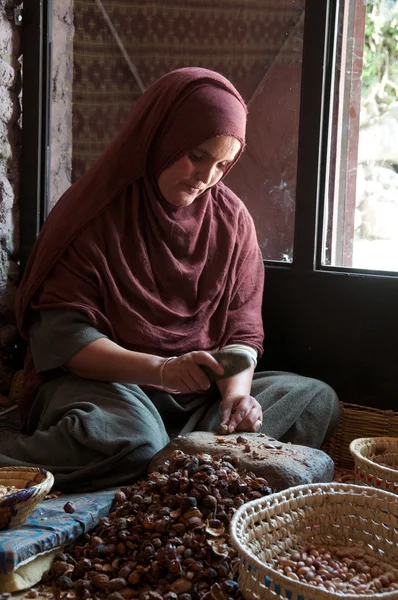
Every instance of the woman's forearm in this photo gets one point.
(238, 385)
(104, 360)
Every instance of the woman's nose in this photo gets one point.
(205, 174)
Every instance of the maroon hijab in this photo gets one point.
(153, 277)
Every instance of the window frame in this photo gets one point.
(36, 122)
(310, 233)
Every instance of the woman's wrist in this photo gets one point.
(161, 373)
(238, 385)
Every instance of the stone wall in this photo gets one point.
(10, 145)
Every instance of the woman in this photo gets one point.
(145, 267)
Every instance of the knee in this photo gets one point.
(137, 457)
(328, 406)
(335, 413)
(152, 445)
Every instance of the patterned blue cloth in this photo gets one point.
(49, 527)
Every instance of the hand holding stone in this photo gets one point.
(233, 361)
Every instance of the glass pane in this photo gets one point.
(361, 216)
(107, 52)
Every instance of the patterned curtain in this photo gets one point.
(255, 43)
(239, 38)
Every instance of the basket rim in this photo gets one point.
(45, 484)
(284, 494)
(23, 468)
(360, 442)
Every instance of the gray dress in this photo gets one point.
(94, 434)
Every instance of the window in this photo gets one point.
(105, 54)
(361, 207)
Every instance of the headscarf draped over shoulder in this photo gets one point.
(154, 277)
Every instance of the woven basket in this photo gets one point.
(325, 514)
(376, 462)
(33, 484)
(16, 386)
(359, 422)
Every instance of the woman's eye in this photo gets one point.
(194, 157)
(222, 166)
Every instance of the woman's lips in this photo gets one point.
(192, 187)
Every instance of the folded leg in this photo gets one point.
(89, 434)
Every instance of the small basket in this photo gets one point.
(33, 485)
(16, 386)
(358, 421)
(376, 462)
(324, 514)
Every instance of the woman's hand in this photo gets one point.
(183, 373)
(241, 412)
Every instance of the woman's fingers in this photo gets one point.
(246, 415)
(206, 359)
(226, 411)
(252, 422)
(194, 382)
(198, 377)
(237, 417)
(185, 374)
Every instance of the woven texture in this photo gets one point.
(359, 422)
(376, 462)
(16, 385)
(240, 41)
(330, 515)
(32, 484)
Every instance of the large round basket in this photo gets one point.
(32, 486)
(359, 519)
(376, 462)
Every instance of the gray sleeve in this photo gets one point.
(56, 335)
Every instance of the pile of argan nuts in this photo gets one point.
(337, 569)
(166, 537)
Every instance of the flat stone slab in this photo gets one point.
(282, 465)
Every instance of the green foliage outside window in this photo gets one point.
(380, 61)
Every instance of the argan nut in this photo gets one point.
(69, 507)
(100, 580)
(222, 429)
(180, 586)
(116, 584)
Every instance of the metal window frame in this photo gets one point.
(36, 120)
(320, 30)
(316, 83)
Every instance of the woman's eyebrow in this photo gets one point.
(207, 153)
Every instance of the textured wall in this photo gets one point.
(10, 142)
(61, 112)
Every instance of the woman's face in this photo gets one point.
(200, 169)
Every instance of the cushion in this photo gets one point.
(27, 551)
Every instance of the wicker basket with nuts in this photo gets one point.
(376, 462)
(319, 541)
(21, 490)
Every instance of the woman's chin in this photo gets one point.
(181, 200)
